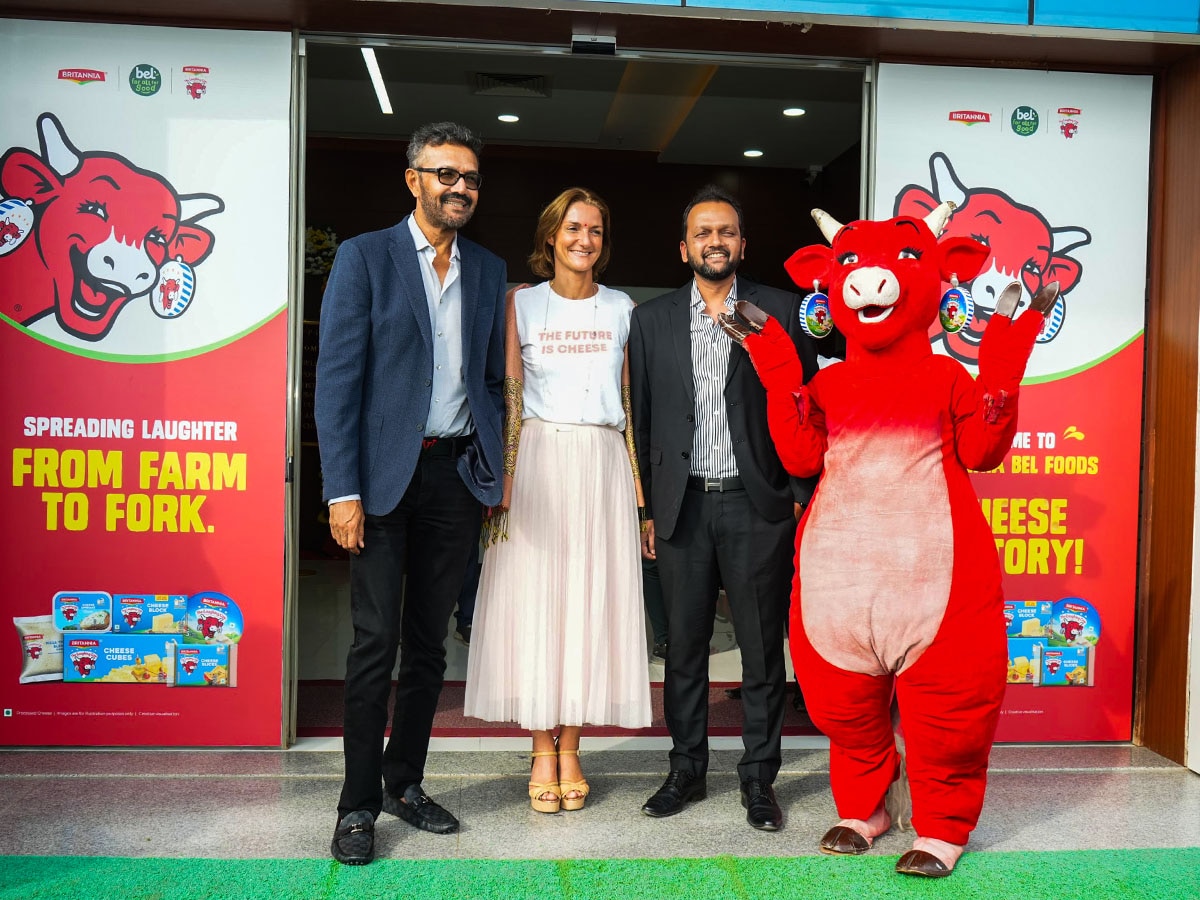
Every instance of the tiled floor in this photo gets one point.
(281, 804)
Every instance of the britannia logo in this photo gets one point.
(970, 116)
(195, 81)
(1068, 122)
(1024, 120)
(81, 76)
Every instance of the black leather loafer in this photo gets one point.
(762, 809)
(926, 865)
(679, 788)
(419, 811)
(842, 840)
(354, 839)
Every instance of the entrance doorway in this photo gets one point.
(644, 130)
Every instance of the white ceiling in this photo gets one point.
(692, 111)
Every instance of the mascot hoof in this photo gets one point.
(842, 840)
(918, 862)
(745, 320)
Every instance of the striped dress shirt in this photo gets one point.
(712, 445)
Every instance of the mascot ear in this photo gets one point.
(809, 264)
(962, 257)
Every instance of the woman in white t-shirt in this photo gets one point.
(558, 639)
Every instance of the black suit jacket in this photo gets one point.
(664, 405)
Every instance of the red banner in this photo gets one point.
(1064, 510)
(145, 492)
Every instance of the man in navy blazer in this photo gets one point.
(408, 410)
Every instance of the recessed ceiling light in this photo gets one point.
(753, 154)
(793, 111)
(508, 117)
(385, 105)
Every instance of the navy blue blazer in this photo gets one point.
(375, 368)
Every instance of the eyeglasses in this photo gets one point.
(449, 176)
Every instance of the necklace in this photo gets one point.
(595, 292)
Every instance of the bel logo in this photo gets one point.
(1024, 120)
(145, 80)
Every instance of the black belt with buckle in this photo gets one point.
(732, 483)
(445, 446)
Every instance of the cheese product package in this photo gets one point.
(213, 618)
(41, 649)
(82, 611)
(1025, 659)
(204, 665)
(1027, 618)
(1074, 621)
(117, 658)
(149, 613)
(1069, 667)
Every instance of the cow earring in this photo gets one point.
(1050, 327)
(815, 318)
(956, 308)
(173, 291)
(16, 224)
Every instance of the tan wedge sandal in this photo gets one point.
(580, 788)
(549, 787)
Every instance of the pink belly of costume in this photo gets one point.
(877, 551)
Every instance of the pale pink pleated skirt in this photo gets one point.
(558, 635)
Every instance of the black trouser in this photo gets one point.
(428, 536)
(720, 535)
(652, 595)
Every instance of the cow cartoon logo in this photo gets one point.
(16, 221)
(1024, 248)
(106, 232)
(195, 81)
(84, 662)
(189, 662)
(210, 623)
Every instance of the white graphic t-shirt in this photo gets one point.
(572, 352)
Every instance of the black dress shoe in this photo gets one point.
(354, 839)
(679, 788)
(762, 809)
(418, 810)
(918, 862)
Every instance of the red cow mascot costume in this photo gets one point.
(897, 597)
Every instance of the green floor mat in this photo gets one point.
(1085, 874)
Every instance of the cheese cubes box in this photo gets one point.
(149, 613)
(1027, 618)
(82, 611)
(204, 665)
(116, 658)
(1025, 659)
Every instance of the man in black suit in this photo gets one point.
(720, 503)
(408, 409)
